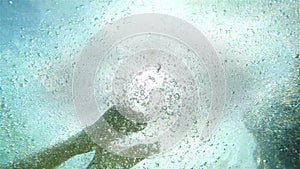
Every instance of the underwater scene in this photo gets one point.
(170, 84)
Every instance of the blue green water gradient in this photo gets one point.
(40, 41)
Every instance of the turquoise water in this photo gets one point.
(257, 43)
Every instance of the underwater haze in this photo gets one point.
(257, 42)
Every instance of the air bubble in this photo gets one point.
(164, 107)
(177, 96)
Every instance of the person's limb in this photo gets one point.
(82, 143)
(108, 160)
(54, 156)
(120, 123)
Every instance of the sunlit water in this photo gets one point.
(40, 41)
